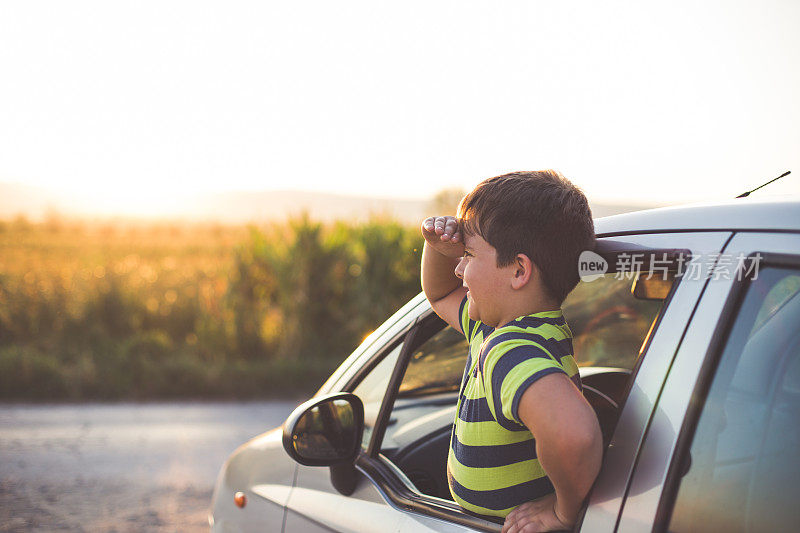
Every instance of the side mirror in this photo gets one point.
(325, 431)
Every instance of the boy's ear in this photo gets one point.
(523, 271)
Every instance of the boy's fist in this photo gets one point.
(443, 234)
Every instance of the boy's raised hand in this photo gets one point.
(444, 235)
(444, 248)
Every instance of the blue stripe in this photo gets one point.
(476, 410)
(536, 321)
(504, 365)
(558, 348)
(492, 456)
(510, 425)
(516, 355)
(487, 330)
(499, 499)
(527, 383)
(466, 368)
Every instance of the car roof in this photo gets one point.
(743, 214)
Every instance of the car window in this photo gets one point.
(609, 324)
(778, 295)
(417, 435)
(744, 461)
(436, 366)
(372, 389)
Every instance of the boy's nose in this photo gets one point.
(460, 269)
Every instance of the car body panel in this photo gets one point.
(259, 461)
(609, 490)
(314, 505)
(762, 214)
(647, 484)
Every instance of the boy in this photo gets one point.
(526, 445)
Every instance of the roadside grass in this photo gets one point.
(136, 311)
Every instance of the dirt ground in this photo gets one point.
(120, 467)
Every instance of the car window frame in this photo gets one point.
(383, 350)
(705, 379)
(374, 348)
(411, 337)
(425, 327)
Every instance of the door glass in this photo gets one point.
(609, 322)
(744, 463)
(436, 366)
(372, 389)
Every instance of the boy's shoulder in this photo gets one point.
(533, 347)
(534, 327)
(539, 334)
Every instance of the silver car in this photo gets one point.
(687, 335)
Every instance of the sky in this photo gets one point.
(133, 103)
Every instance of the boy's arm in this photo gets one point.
(444, 247)
(569, 448)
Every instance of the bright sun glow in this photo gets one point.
(132, 107)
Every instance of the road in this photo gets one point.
(120, 467)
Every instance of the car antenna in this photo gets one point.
(746, 194)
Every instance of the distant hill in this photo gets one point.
(241, 207)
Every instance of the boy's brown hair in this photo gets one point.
(540, 214)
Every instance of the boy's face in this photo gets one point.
(488, 284)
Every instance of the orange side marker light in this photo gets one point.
(240, 500)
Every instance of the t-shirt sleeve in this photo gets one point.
(510, 368)
(468, 326)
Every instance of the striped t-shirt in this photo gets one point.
(492, 466)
